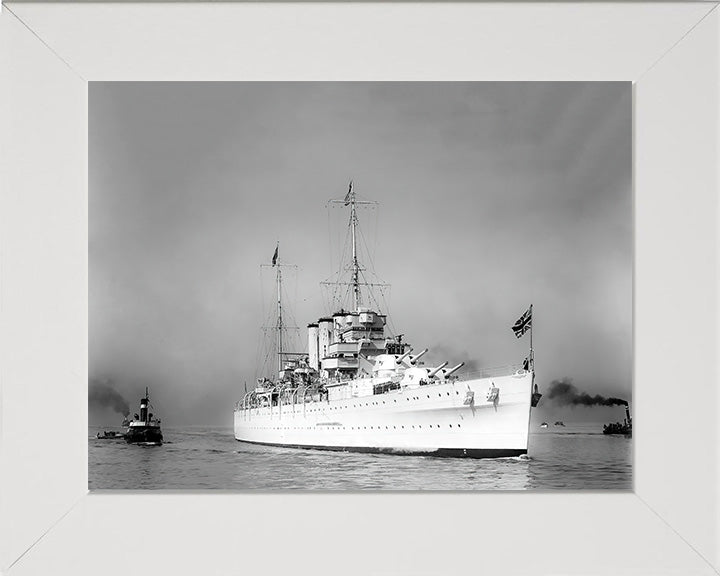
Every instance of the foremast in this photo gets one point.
(355, 268)
(353, 230)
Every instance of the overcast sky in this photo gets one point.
(491, 196)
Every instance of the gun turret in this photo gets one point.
(434, 371)
(417, 356)
(453, 369)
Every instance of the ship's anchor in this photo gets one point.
(470, 400)
(493, 395)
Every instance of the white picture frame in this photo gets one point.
(50, 524)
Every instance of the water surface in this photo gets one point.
(578, 457)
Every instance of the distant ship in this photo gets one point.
(544, 425)
(144, 428)
(360, 389)
(623, 428)
(559, 423)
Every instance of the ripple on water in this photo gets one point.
(211, 458)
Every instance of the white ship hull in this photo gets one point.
(450, 418)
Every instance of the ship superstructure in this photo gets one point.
(359, 388)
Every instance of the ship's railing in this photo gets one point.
(494, 371)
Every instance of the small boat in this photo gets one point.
(110, 435)
(559, 423)
(144, 429)
(544, 425)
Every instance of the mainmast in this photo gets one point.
(279, 326)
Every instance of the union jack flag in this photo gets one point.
(524, 323)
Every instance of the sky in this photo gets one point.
(491, 196)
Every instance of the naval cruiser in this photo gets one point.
(360, 389)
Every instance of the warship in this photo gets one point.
(361, 389)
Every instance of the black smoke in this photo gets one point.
(565, 393)
(102, 394)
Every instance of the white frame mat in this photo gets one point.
(49, 524)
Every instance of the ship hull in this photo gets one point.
(148, 435)
(455, 419)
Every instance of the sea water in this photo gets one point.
(576, 457)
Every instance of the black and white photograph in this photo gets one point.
(346, 286)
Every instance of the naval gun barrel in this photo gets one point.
(417, 356)
(399, 360)
(454, 369)
(434, 371)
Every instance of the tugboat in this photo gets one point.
(623, 428)
(144, 429)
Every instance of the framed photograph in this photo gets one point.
(128, 128)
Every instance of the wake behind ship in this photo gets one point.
(360, 389)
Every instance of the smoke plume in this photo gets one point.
(565, 393)
(103, 395)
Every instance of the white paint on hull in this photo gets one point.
(422, 419)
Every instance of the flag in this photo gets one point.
(349, 192)
(275, 255)
(524, 323)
